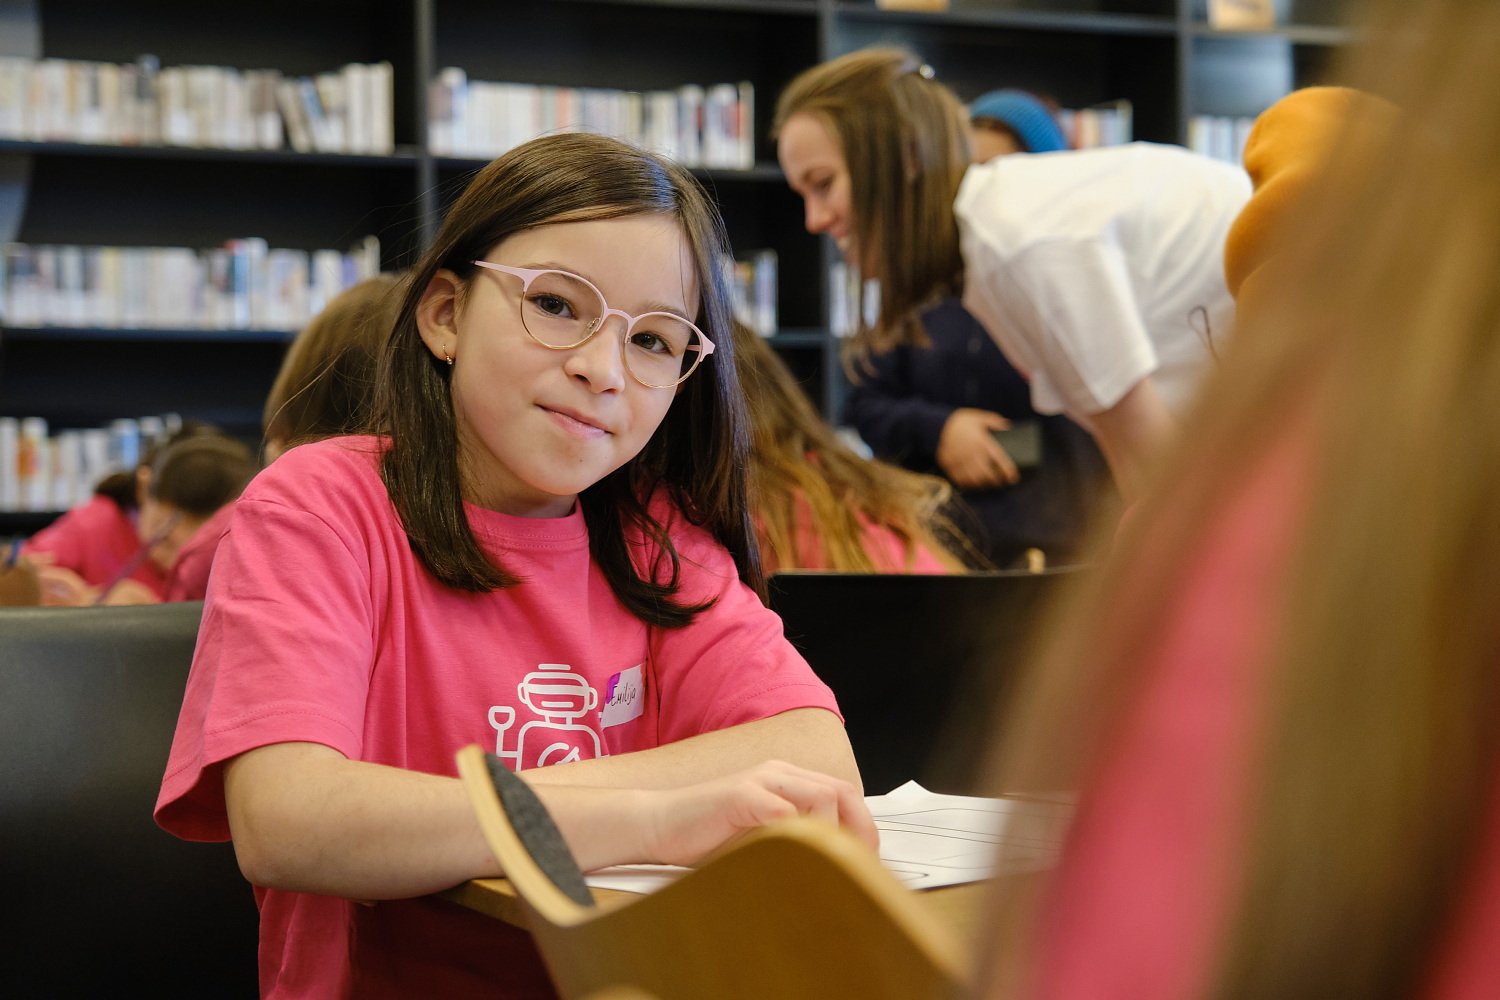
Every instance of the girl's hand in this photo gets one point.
(62, 587)
(683, 825)
(968, 453)
(131, 592)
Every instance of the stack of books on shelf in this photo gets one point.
(697, 126)
(242, 285)
(1220, 136)
(1101, 125)
(53, 472)
(849, 295)
(752, 289)
(348, 110)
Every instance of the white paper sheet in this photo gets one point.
(927, 839)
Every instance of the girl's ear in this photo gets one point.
(437, 315)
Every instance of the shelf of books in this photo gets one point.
(144, 104)
(242, 287)
(200, 182)
(699, 126)
(43, 471)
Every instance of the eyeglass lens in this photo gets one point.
(561, 310)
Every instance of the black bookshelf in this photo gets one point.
(1159, 54)
(19, 523)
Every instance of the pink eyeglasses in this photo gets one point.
(562, 310)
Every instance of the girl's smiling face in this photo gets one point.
(537, 426)
(814, 164)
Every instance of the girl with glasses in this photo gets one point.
(543, 546)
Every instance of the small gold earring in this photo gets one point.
(448, 358)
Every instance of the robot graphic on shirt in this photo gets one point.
(561, 698)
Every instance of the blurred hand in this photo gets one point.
(968, 453)
(686, 824)
(131, 592)
(61, 587)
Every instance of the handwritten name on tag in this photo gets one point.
(625, 697)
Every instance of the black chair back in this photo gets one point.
(105, 902)
(920, 664)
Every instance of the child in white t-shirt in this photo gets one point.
(1098, 272)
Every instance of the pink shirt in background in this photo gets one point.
(97, 541)
(885, 548)
(321, 625)
(1140, 899)
(188, 580)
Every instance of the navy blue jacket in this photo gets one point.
(904, 397)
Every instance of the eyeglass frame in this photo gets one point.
(530, 274)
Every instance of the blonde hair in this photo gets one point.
(327, 379)
(1381, 351)
(906, 140)
(798, 462)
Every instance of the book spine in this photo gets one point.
(382, 109)
(333, 99)
(148, 100)
(10, 463)
(359, 130)
(690, 124)
(294, 114)
(746, 145)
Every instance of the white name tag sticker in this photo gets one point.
(624, 698)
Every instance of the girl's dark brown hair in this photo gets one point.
(698, 454)
(905, 138)
(121, 487)
(201, 473)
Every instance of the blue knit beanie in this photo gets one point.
(1024, 115)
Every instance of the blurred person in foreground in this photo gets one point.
(1278, 702)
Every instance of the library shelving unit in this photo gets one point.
(112, 195)
(1238, 74)
(1160, 55)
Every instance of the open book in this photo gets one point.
(927, 839)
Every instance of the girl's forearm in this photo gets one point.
(305, 818)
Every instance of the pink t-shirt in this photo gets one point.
(188, 580)
(322, 626)
(885, 548)
(96, 541)
(1139, 901)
